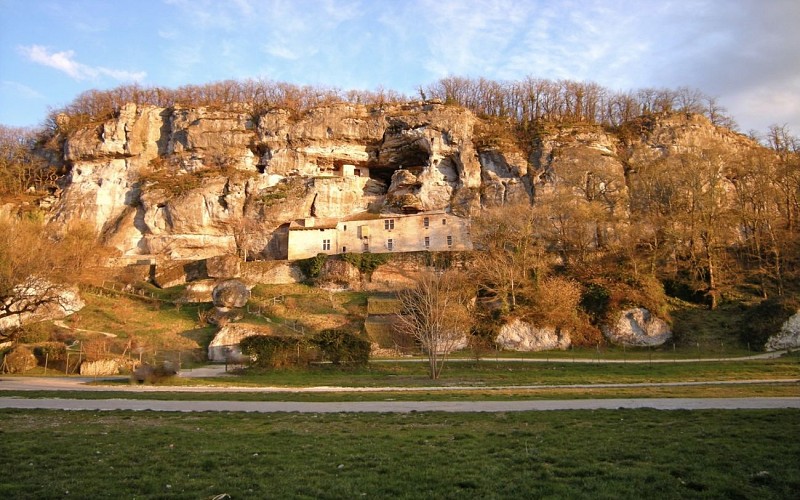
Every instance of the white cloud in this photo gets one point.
(66, 63)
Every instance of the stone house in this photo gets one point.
(435, 231)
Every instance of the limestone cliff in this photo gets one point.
(190, 183)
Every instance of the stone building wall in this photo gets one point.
(433, 231)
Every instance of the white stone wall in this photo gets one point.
(386, 234)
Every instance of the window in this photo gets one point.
(326, 244)
(390, 244)
(449, 240)
(444, 222)
(344, 249)
(345, 228)
(388, 224)
(427, 241)
(426, 222)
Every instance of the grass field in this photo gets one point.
(485, 373)
(598, 454)
(475, 394)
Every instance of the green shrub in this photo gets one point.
(596, 301)
(342, 347)
(267, 351)
(51, 351)
(35, 332)
(366, 263)
(765, 319)
(312, 266)
(20, 360)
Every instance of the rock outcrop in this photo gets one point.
(788, 337)
(637, 327)
(518, 335)
(192, 183)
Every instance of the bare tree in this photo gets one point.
(36, 264)
(436, 314)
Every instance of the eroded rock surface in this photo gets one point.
(518, 335)
(637, 327)
(788, 337)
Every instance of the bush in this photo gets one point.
(150, 374)
(20, 360)
(342, 348)
(268, 351)
(366, 262)
(35, 332)
(596, 301)
(766, 319)
(312, 266)
(52, 351)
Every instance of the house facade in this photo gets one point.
(435, 231)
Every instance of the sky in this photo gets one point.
(746, 53)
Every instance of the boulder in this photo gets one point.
(518, 335)
(224, 347)
(221, 316)
(230, 294)
(788, 337)
(637, 327)
(198, 291)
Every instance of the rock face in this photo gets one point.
(224, 347)
(788, 337)
(518, 335)
(337, 273)
(637, 327)
(192, 183)
(224, 266)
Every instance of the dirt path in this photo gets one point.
(402, 406)
(62, 324)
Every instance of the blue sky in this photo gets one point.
(745, 52)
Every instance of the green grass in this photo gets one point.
(127, 317)
(578, 454)
(515, 373)
(476, 394)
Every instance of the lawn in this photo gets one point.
(490, 373)
(474, 394)
(577, 454)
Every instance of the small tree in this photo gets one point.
(273, 351)
(436, 314)
(342, 348)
